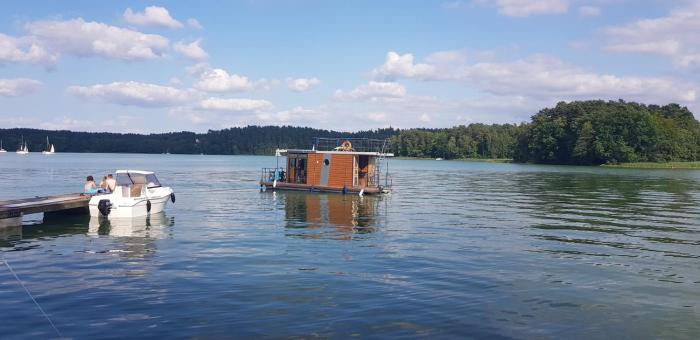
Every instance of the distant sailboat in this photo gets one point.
(23, 149)
(50, 150)
(1, 149)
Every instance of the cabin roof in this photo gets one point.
(282, 152)
(140, 172)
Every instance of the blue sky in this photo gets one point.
(169, 66)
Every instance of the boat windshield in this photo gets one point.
(130, 179)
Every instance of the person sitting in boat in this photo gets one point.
(103, 183)
(111, 183)
(90, 186)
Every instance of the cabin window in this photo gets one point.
(152, 181)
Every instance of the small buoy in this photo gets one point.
(274, 184)
(362, 192)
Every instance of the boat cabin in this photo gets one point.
(133, 183)
(347, 165)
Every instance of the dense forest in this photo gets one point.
(580, 132)
(599, 132)
(471, 141)
(249, 140)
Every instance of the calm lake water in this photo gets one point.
(461, 249)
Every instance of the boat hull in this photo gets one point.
(317, 188)
(131, 207)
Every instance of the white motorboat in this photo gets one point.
(137, 193)
(50, 150)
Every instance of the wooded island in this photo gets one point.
(575, 133)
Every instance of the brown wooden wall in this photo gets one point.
(340, 173)
(313, 171)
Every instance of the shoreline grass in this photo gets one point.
(486, 160)
(653, 165)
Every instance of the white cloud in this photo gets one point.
(152, 16)
(302, 84)
(526, 8)
(18, 87)
(377, 117)
(135, 93)
(397, 65)
(24, 50)
(295, 115)
(67, 123)
(218, 80)
(676, 36)
(192, 22)
(373, 91)
(86, 39)
(265, 84)
(589, 11)
(425, 118)
(192, 50)
(234, 104)
(544, 77)
(120, 123)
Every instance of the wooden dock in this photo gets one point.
(11, 211)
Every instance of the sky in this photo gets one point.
(135, 66)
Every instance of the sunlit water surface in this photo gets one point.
(461, 249)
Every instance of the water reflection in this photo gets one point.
(133, 237)
(314, 215)
(154, 226)
(51, 226)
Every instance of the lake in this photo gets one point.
(460, 249)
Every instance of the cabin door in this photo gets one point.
(363, 168)
(355, 170)
(296, 168)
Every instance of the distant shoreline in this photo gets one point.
(652, 165)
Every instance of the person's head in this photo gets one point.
(89, 179)
(109, 176)
(104, 178)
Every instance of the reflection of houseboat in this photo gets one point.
(347, 165)
(330, 216)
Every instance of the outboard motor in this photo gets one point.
(105, 207)
(148, 206)
(172, 197)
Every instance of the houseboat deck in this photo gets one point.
(343, 165)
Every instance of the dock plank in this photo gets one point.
(43, 204)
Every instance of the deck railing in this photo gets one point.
(272, 174)
(358, 144)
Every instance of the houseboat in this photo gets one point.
(343, 165)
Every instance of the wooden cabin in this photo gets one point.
(332, 165)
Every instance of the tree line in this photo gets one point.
(600, 132)
(579, 132)
(249, 140)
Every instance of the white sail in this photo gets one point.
(50, 150)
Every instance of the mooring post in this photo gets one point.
(10, 218)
